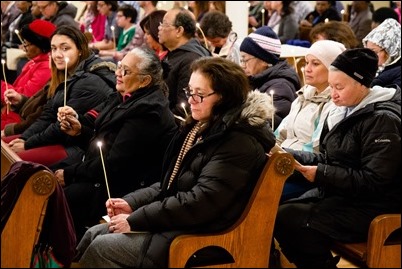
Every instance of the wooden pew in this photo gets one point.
(248, 242)
(22, 229)
(383, 247)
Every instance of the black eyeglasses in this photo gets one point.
(196, 97)
(41, 8)
(26, 45)
(125, 72)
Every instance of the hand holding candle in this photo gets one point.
(66, 59)
(5, 82)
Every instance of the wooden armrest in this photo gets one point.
(23, 226)
(384, 242)
(8, 157)
(248, 242)
(383, 246)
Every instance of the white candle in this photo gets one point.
(343, 14)
(273, 110)
(66, 59)
(304, 77)
(19, 37)
(203, 35)
(183, 105)
(5, 82)
(262, 17)
(113, 36)
(104, 168)
(93, 36)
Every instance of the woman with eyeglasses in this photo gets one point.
(209, 171)
(260, 58)
(134, 126)
(34, 75)
(385, 41)
(79, 79)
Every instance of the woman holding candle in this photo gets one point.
(134, 126)
(301, 128)
(89, 82)
(260, 53)
(207, 177)
(36, 72)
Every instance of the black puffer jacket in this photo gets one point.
(359, 167)
(90, 85)
(213, 183)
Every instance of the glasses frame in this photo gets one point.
(166, 25)
(125, 72)
(26, 45)
(378, 51)
(244, 61)
(44, 7)
(194, 96)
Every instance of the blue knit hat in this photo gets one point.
(263, 44)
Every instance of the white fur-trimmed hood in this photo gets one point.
(258, 109)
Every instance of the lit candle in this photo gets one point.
(5, 82)
(114, 37)
(19, 37)
(104, 168)
(203, 35)
(273, 109)
(326, 20)
(262, 17)
(183, 105)
(92, 35)
(65, 81)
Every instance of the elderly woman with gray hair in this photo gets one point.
(385, 41)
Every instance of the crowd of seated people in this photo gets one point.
(161, 79)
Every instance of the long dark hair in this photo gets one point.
(80, 42)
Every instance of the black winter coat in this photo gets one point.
(213, 184)
(134, 134)
(359, 170)
(90, 85)
(389, 76)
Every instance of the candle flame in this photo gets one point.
(66, 59)
(99, 144)
(16, 31)
(3, 61)
(112, 28)
(271, 92)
